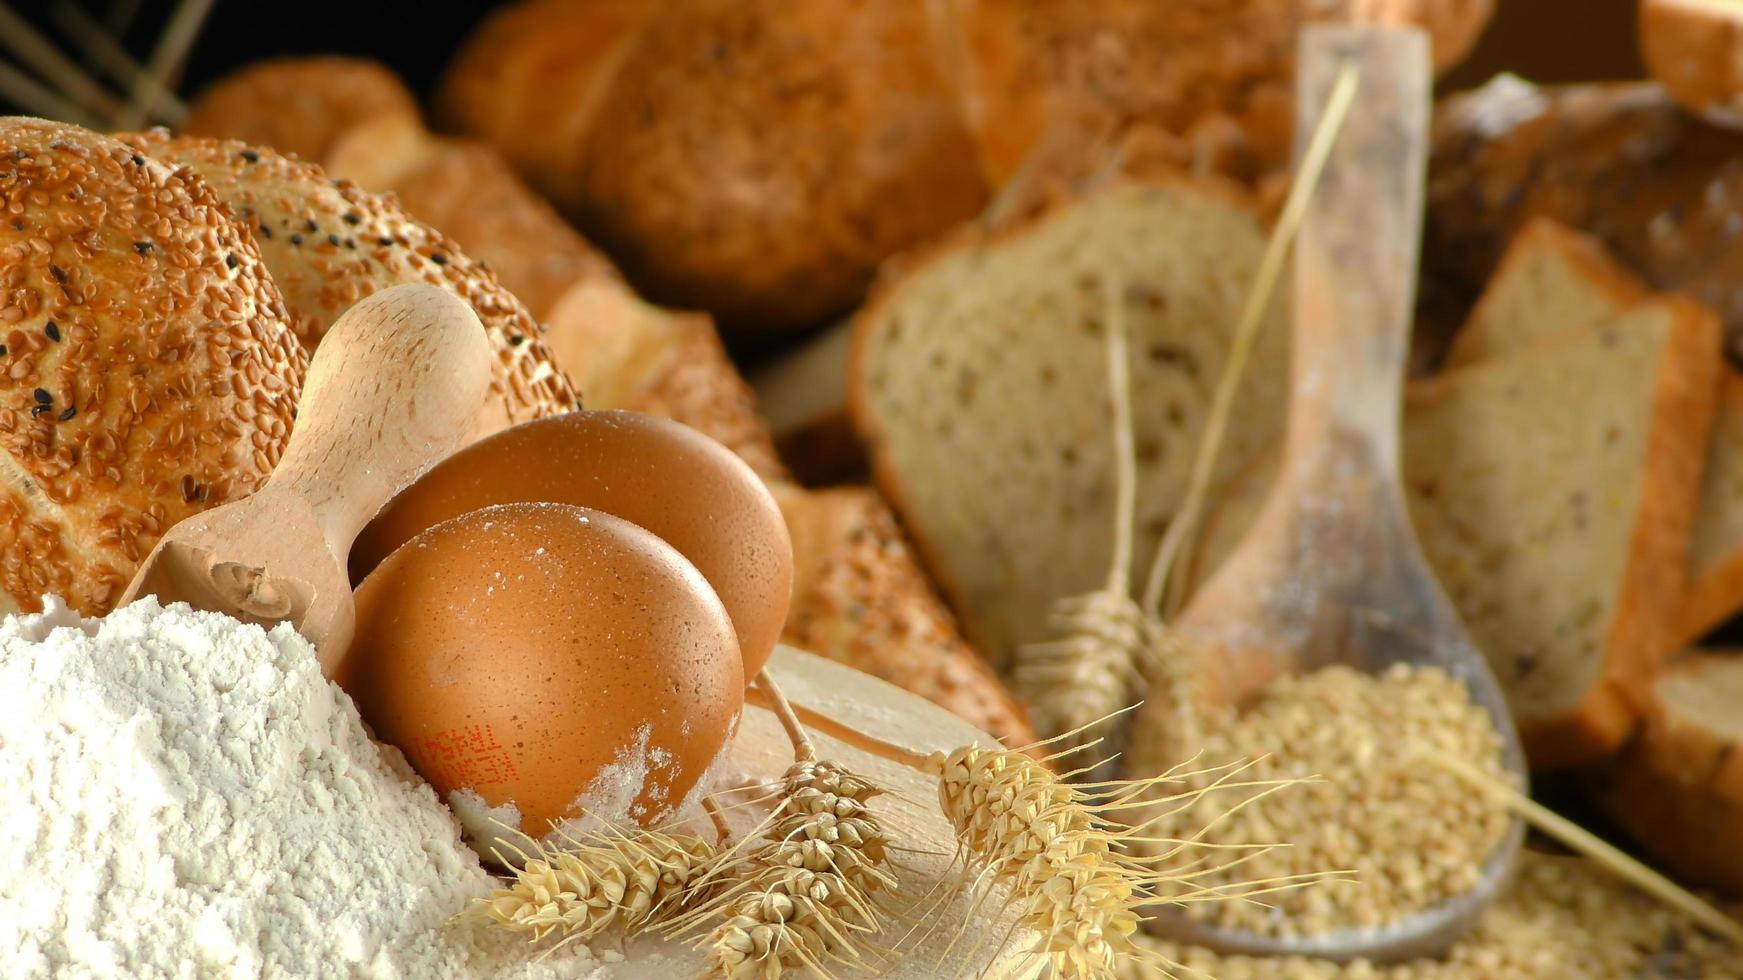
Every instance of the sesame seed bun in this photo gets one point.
(328, 244)
(148, 371)
(299, 106)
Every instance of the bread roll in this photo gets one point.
(299, 106)
(1694, 48)
(146, 368)
(755, 158)
(329, 244)
(470, 192)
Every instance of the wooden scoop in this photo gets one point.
(1331, 572)
(393, 389)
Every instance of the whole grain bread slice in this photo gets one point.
(977, 381)
(1553, 279)
(1679, 788)
(1553, 492)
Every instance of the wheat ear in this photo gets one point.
(602, 881)
(1069, 684)
(802, 898)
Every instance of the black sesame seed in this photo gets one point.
(67, 414)
(515, 340)
(310, 226)
(59, 274)
(351, 217)
(38, 411)
(251, 156)
(138, 161)
(265, 232)
(384, 241)
(2, 350)
(142, 247)
(296, 239)
(42, 396)
(230, 260)
(53, 331)
(17, 226)
(438, 258)
(333, 240)
(350, 243)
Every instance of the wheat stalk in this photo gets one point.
(604, 881)
(1068, 866)
(1069, 684)
(801, 898)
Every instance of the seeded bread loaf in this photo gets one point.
(1678, 789)
(1694, 48)
(976, 383)
(1553, 492)
(471, 193)
(299, 106)
(147, 371)
(1622, 162)
(329, 244)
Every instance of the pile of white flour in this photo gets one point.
(182, 795)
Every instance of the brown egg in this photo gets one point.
(550, 657)
(669, 478)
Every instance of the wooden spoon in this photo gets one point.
(392, 389)
(1331, 572)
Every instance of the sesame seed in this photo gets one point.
(310, 226)
(230, 260)
(438, 258)
(67, 414)
(516, 340)
(37, 411)
(59, 274)
(42, 396)
(142, 247)
(265, 232)
(53, 331)
(296, 239)
(138, 161)
(351, 217)
(384, 241)
(333, 240)
(251, 156)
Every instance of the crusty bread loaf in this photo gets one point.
(1553, 492)
(298, 106)
(1678, 789)
(976, 380)
(146, 366)
(756, 158)
(1217, 76)
(1715, 587)
(1659, 187)
(329, 244)
(1694, 48)
(469, 191)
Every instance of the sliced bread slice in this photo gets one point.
(978, 382)
(1553, 279)
(1553, 493)
(1679, 788)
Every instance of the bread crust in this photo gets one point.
(1678, 789)
(1694, 48)
(147, 371)
(299, 106)
(328, 244)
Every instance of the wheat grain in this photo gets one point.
(1069, 868)
(801, 898)
(607, 880)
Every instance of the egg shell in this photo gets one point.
(664, 476)
(549, 657)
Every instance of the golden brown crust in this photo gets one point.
(1694, 48)
(329, 244)
(1715, 589)
(628, 354)
(1621, 162)
(146, 373)
(1678, 789)
(468, 190)
(1053, 76)
(860, 599)
(299, 106)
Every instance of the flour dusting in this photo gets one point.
(187, 796)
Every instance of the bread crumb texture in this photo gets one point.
(147, 371)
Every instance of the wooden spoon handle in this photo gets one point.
(1355, 264)
(393, 389)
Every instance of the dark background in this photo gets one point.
(1546, 40)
